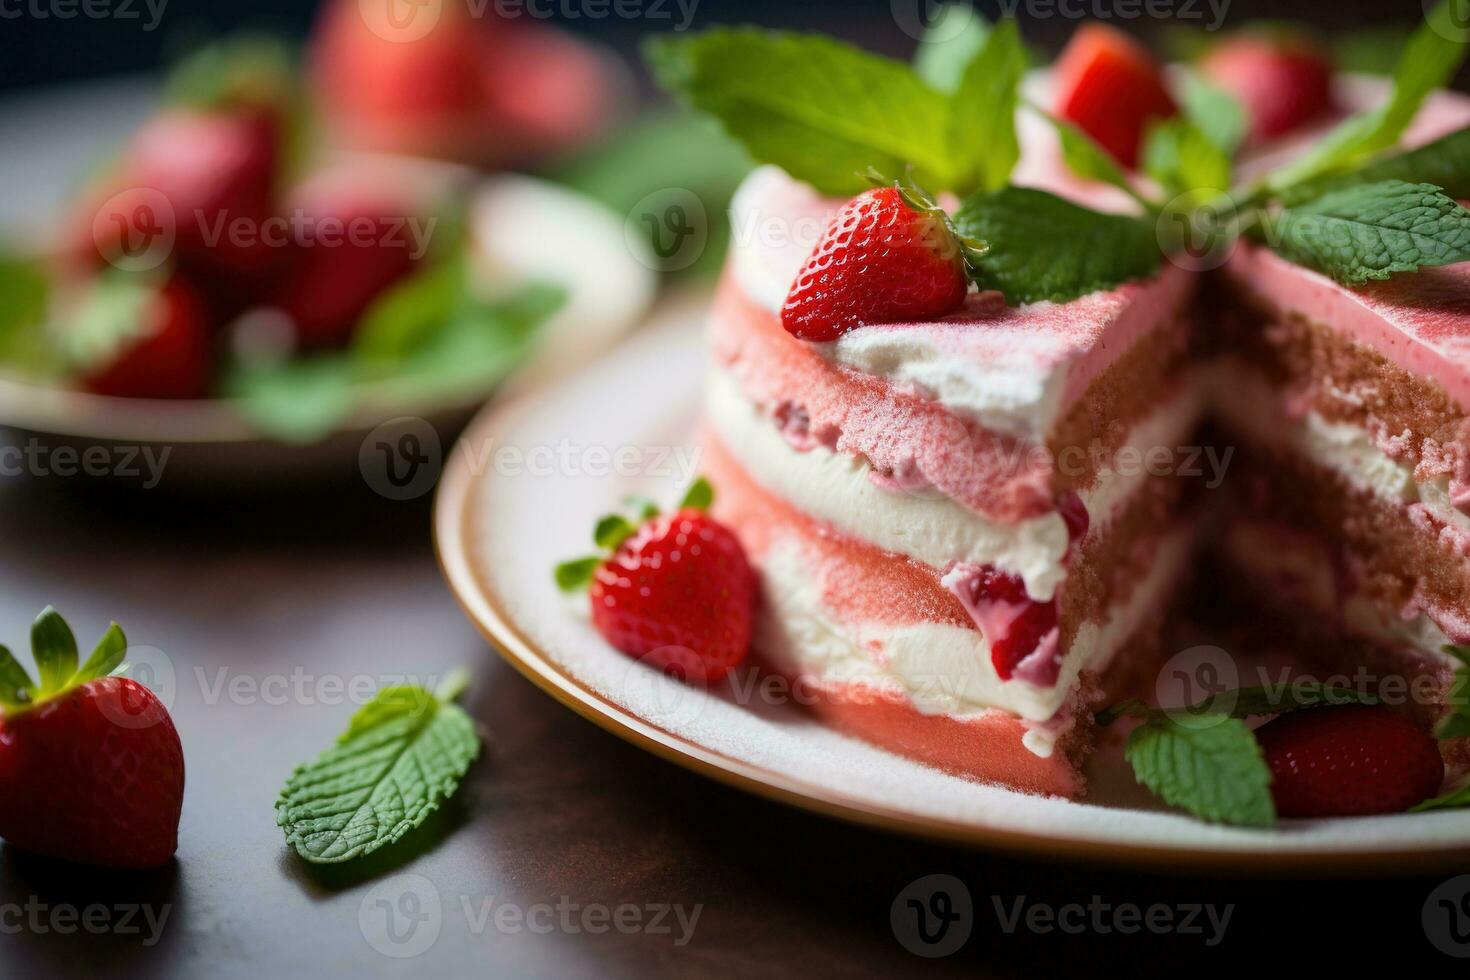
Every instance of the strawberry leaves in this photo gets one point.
(611, 530)
(54, 649)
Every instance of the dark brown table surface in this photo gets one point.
(340, 583)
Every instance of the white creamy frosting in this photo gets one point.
(1248, 402)
(839, 490)
(941, 669)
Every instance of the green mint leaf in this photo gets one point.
(1458, 797)
(1086, 159)
(299, 400)
(1214, 112)
(611, 531)
(25, 290)
(951, 42)
(402, 319)
(55, 650)
(1251, 702)
(575, 575)
(1182, 159)
(822, 110)
(982, 125)
(111, 313)
(1372, 231)
(1456, 722)
(1428, 61)
(16, 688)
(1043, 247)
(403, 754)
(105, 657)
(1444, 163)
(1216, 771)
(699, 496)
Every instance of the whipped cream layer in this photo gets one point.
(942, 668)
(841, 490)
(1014, 370)
(1249, 403)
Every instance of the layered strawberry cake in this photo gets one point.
(957, 521)
(969, 528)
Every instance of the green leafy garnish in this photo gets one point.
(1043, 247)
(1452, 799)
(1183, 159)
(401, 757)
(54, 650)
(1445, 162)
(982, 124)
(1371, 231)
(1214, 112)
(951, 42)
(1214, 771)
(25, 291)
(699, 496)
(1456, 722)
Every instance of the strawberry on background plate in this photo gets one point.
(1283, 80)
(1349, 760)
(889, 255)
(137, 341)
(355, 242)
(676, 591)
(91, 767)
(1111, 87)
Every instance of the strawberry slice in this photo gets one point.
(1110, 87)
(91, 767)
(1284, 81)
(677, 591)
(1349, 760)
(890, 254)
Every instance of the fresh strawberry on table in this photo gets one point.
(91, 768)
(675, 591)
(1349, 760)
(136, 341)
(1283, 80)
(890, 254)
(1110, 86)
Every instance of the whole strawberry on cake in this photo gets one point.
(973, 324)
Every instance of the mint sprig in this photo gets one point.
(1216, 772)
(402, 756)
(1371, 231)
(1444, 162)
(953, 38)
(982, 119)
(1043, 247)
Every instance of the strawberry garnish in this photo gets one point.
(91, 768)
(890, 254)
(1349, 760)
(166, 353)
(1111, 88)
(676, 591)
(1283, 81)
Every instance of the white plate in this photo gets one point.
(500, 527)
(524, 229)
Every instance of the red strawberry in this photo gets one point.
(677, 591)
(91, 769)
(1283, 81)
(888, 255)
(358, 242)
(1110, 87)
(1014, 624)
(204, 178)
(166, 355)
(1349, 760)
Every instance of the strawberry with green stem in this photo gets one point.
(91, 768)
(674, 590)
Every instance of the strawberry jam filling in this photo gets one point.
(1021, 631)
